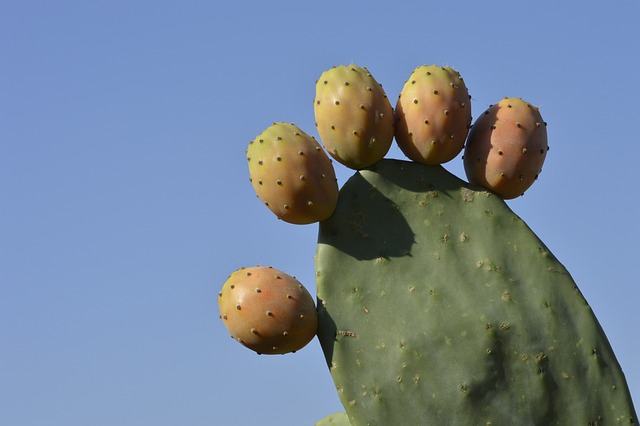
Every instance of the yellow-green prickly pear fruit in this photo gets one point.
(506, 148)
(353, 115)
(267, 310)
(292, 174)
(433, 115)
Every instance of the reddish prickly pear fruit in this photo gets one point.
(353, 115)
(506, 148)
(292, 174)
(267, 310)
(433, 115)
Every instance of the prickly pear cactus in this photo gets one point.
(438, 305)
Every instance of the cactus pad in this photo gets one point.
(438, 305)
(335, 419)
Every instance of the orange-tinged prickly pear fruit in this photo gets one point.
(433, 115)
(267, 310)
(353, 115)
(292, 174)
(506, 148)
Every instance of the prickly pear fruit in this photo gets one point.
(267, 310)
(292, 174)
(353, 115)
(433, 115)
(506, 148)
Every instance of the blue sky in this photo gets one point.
(125, 200)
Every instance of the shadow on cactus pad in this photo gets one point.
(368, 215)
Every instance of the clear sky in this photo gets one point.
(125, 200)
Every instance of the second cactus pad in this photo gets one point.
(438, 305)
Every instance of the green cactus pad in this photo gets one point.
(438, 305)
(336, 419)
